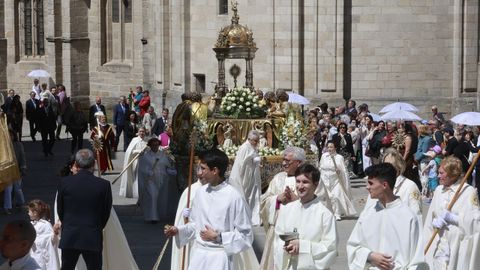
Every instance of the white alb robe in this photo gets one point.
(409, 194)
(223, 209)
(393, 230)
(245, 177)
(337, 184)
(129, 182)
(317, 240)
(460, 244)
(43, 250)
(153, 185)
(269, 211)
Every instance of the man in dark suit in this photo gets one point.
(120, 112)
(47, 123)
(31, 113)
(160, 123)
(84, 202)
(97, 107)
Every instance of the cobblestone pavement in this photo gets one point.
(145, 240)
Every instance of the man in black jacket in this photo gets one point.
(31, 106)
(84, 203)
(47, 123)
(97, 107)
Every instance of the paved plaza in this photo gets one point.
(145, 240)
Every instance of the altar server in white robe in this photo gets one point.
(387, 234)
(245, 174)
(280, 192)
(404, 188)
(220, 220)
(153, 181)
(316, 244)
(129, 182)
(457, 245)
(334, 176)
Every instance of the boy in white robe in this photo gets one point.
(387, 234)
(316, 244)
(129, 182)
(220, 221)
(280, 192)
(245, 174)
(17, 239)
(457, 245)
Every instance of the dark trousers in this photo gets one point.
(118, 132)
(77, 141)
(93, 259)
(48, 139)
(33, 129)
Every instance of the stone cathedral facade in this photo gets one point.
(377, 51)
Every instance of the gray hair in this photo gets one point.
(253, 133)
(85, 159)
(297, 152)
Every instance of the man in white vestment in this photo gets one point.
(315, 247)
(129, 182)
(387, 234)
(245, 174)
(457, 245)
(220, 220)
(281, 191)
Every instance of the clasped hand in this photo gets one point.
(382, 261)
(444, 219)
(287, 196)
(293, 247)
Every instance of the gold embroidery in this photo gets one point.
(474, 199)
(416, 195)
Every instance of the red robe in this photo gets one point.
(107, 137)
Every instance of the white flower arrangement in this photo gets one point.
(268, 151)
(293, 133)
(241, 103)
(229, 151)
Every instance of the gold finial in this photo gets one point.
(235, 17)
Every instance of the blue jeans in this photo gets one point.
(7, 197)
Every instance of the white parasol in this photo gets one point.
(399, 106)
(400, 115)
(297, 99)
(376, 117)
(38, 73)
(467, 118)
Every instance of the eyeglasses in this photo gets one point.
(287, 162)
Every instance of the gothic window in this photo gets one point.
(223, 7)
(31, 39)
(116, 30)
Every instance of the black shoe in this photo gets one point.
(50, 153)
(45, 154)
(34, 140)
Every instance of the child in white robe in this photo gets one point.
(43, 250)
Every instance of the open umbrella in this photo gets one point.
(38, 73)
(467, 118)
(403, 106)
(297, 99)
(375, 117)
(400, 115)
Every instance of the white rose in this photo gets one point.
(244, 94)
(248, 109)
(241, 99)
(233, 104)
(247, 103)
(240, 106)
(229, 108)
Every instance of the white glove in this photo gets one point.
(439, 222)
(186, 212)
(450, 217)
(257, 160)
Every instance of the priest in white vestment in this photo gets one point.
(280, 192)
(334, 176)
(153, 181)
(220, 220)
(245, 174)
(457, 245)
(129, 182)
(387, 234)
(404, 188)
(315, 247)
